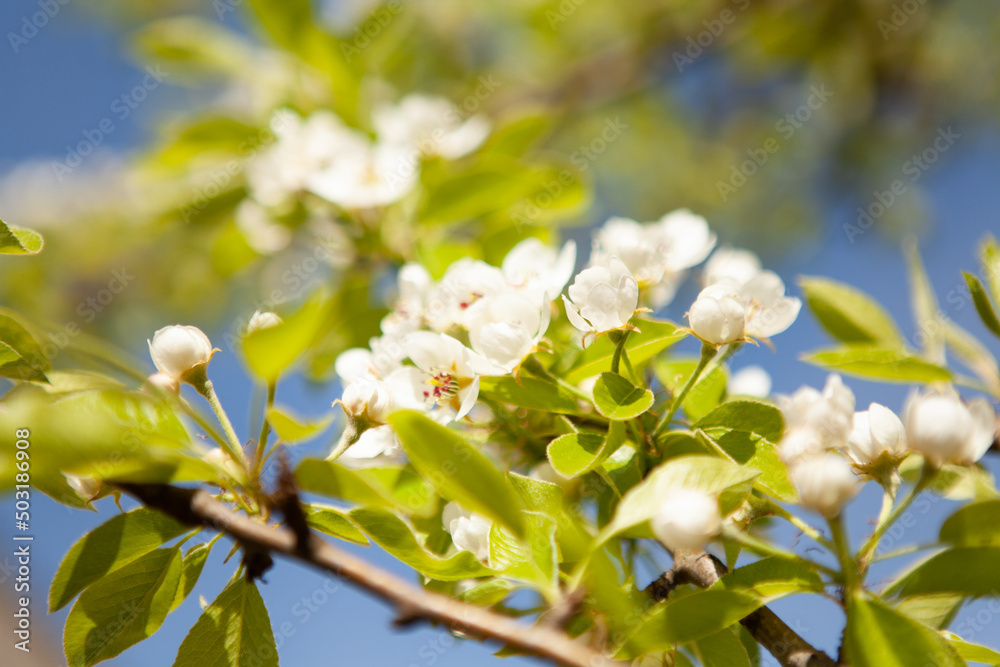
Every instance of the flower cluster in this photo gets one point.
(938, 425)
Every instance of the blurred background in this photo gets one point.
(819, 135)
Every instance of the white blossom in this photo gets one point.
(769, 311)
(945, 429)
(731, 264)
(469, 531)
(505, 328)
(262, 320)
(602, 298)
(718, 316)
(376, 446)
(177, 349)
(446, 376)
(415, 287)
(750, 381)
(259, 230)
(874, 432)
(462, 285)
(824, 482)
(687, 519)
(430, 125)
(367, 176)
(816, 422)
(533, 266)
(368, 398)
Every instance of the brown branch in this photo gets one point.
(197, 507)
(703, 570)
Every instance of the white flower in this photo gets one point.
(944, 429)
(177, 349)
(816, 422)
(687, 519)
(627, 240)
(718, 316)
(415, 286)
(367, 398)
(531, 265)
(875, 431)
(302, 147)
(505, 328)
(259, 229)
(735, 265)
(602, 298)
(464, 282)
(681, 239)
(769, 311)
(825, 483)
(469, 531)
(750, 381)
(164, 382)
(354, 363)
(262, 320)
(446, 375)
(430, 125)
(375, 447)
(366, 177)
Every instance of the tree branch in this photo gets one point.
(703, 570)
(197, 507)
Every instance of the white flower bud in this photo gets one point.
(177, 349)
(602, 298)
(825, 483)
(469, 531)
(687, 519)
(816, 422)
(718, 316)
(875, 431)
(369, 398)
(262, 320)
(750, 381)
(165, 382)
(946, 430)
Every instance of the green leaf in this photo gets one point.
(973, 652)
(122, 609)
(982, 303)
(292, 429)
(534, 560)
(574, 454)
(617, 398)
(332, 521)
(879, 636)
(974, 525)
(486, 594)
(773, 577)
(19, 241)
(232, 631)
(706, 473)
(705, 395)
(973, 354)
(937, 611)
(22, 341)
(547, 498)
(457, 469)
(391, 487)
(722, 649)
(697, 615)
(990, 255)
(108, 547)
(926, 311)
(191, 567)
(269, 351)
(848, 314)
(755, 452)
(653, 337)
(961, 570)
(395, 536)
(885, 364)
(757, 417)
(16, 367)
(529, 392)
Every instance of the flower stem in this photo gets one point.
(233, 446)
(352, 433)
(619, 338)
(848, 566)
(807, 530)
(265, 430)
(887, 519)
(707, 353)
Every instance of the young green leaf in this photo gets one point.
(973, 652)
(390, 487)
(333, 521)
(108, 547)
(926, 311)
(707, 392)
(774, 576)
(974, 525)
(757, 417)
(574, 454)
(982, 302)
(123, 608)
(191, 567)
(653, 337)
(457, 469)
(722, 649)
(879, 636)
(886, 364)
(395, 536)
(233, 631)
(292, 429)
(617, 398)
(269, 351)
(534, 560)
(19, 241)
(850, 315)
(755, 452)
(698, 615)
(961, 570)
(529, 392)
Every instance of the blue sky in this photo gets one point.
(64, 80)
